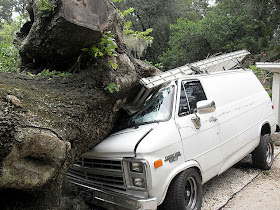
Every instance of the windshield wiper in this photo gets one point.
(145, 123)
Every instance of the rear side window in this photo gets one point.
(191, 93)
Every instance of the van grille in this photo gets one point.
(97, 172)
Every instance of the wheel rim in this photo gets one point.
(190, 193)
(269, 154)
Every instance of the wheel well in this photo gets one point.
(194, 167)
(198, 170)
(265, 129)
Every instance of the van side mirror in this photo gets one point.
(205, 106)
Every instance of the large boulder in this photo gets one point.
(47, 122)
(55, 38)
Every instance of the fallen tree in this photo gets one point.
(47, 122)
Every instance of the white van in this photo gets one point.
(192, 129)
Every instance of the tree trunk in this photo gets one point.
(47, 122)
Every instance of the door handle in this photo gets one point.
(213, 119)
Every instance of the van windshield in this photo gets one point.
(155, 109)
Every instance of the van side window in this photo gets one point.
(191, 93)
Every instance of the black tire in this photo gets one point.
(263, 155)
(185, 192)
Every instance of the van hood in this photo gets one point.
(120, 144)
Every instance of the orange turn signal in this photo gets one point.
(158, 163)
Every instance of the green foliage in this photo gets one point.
(136, 41)
(112, 87)
(47, 72)
(46, 7)
(263, 75)
(127, 27)
(186, 44)
(231, 25)
(106, 47)
(8, 58)
(113, 64)
(265, 78)
(157, 65)
(8, 30)
(271, 54)
(159, 14)
(141, 34)
(9, 55)
(126, 12)
(7, 7)
(19, 6)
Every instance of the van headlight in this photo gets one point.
(136, 167)
(138, 182)
(137, 174)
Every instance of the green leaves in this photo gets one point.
(9, 55)
(133, 37)
(157, 65)
(8, 58)
(46, 7)
(128, 11)
(47, 72)
(186, 44)
(96, 52)
(107, 46)
(112, 87)
(127, 30)
(231, 25)
(114, 65)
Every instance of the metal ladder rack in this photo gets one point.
(211, 65)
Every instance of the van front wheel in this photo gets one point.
(185, 191)
(263, 155)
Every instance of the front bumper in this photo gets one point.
(112, 200)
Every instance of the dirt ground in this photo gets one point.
(262, 193)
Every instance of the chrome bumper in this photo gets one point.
(112, 200)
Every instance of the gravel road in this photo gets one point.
(262, 193)
(245, 187)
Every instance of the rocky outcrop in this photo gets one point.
(54, 38)
(47, 122)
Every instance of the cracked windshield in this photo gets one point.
(157, 108)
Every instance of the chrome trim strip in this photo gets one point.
(110, 199)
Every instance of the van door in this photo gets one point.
(200, 144)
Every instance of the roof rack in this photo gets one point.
(213, 64)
